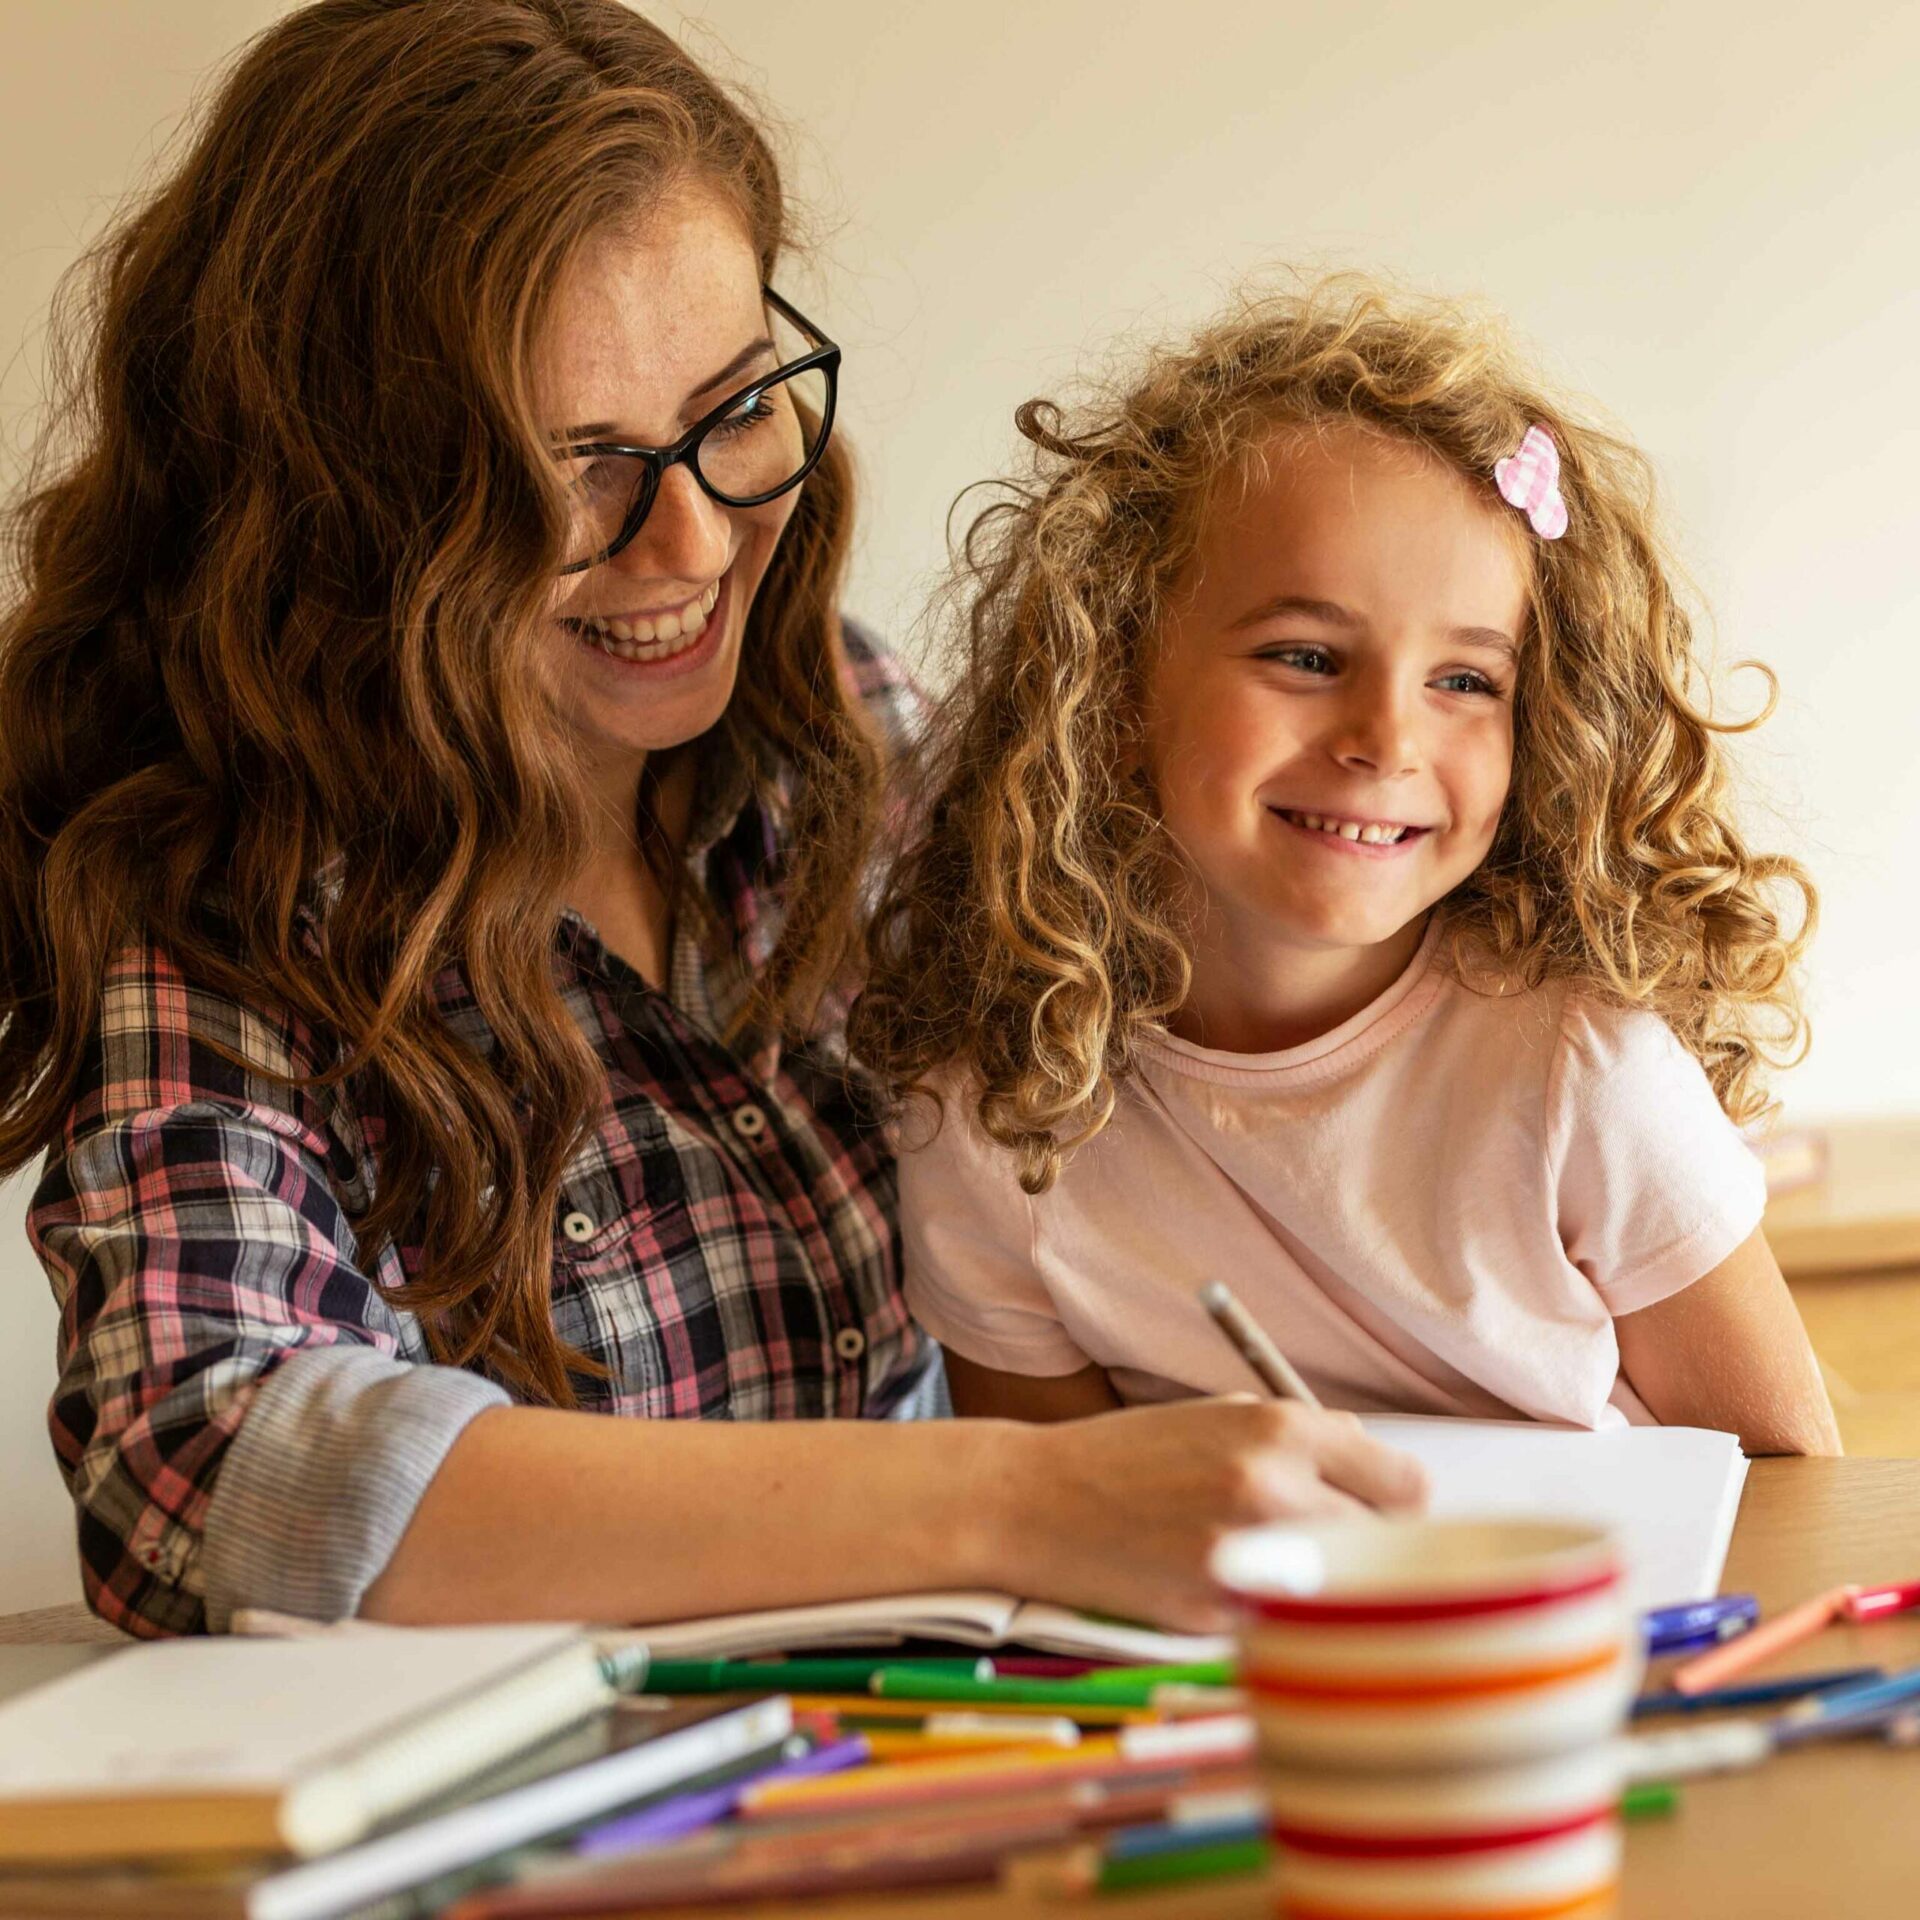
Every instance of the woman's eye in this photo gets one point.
(593, 479)
(1465, 680)
(744, 418)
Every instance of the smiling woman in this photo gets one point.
(436, 784)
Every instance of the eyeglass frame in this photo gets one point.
(657, 461)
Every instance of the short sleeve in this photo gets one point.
(1654, 1184)
(966, 1230)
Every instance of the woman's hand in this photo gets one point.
(1119, 1512)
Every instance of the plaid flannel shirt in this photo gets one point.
(244, 1420)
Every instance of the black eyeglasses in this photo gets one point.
(754, 446)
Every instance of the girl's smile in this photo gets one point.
(1377, 839)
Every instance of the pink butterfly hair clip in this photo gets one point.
(1530, 480)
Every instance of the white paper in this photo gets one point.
(1669, 1493)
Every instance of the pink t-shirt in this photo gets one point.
(1439, 1207)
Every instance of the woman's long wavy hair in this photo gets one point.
(1033, 934)
(280, 597)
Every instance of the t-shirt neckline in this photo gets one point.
(1376, 1023)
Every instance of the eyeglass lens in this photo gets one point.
(754, 449)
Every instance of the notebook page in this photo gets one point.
(973, 1619)
(1670, 1493)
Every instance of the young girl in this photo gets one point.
(1330, 886)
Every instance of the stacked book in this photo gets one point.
(483, 1773)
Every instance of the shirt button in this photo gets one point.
(578, 1226)
(849, 1343)
(749, 1123)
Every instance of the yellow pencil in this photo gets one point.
(916, 1746)
(864, 1706)
(907, 1783)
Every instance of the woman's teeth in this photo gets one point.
(1368, 835)
(657, 639)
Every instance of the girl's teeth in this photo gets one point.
(1372, 836)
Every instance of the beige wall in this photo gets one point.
(1702, 210)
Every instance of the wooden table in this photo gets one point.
(1826, 1833)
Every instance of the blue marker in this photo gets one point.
(1700, 1623)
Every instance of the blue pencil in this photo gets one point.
(1176, 1836)
(1762, 1693)
(1849, 1709)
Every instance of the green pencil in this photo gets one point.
(852, 1675)
(917, 1682)
(1208, 1862)
(1648, 1799)
(1196, 1673)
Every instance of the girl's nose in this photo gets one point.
(1376, 735)
(686, 537)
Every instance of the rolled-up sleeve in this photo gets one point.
(234, 1415)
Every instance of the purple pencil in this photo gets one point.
(689, 1812)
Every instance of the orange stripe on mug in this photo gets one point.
(1400, 1689)
(1595, 1903)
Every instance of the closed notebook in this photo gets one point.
(631, 1755)
(234, 1746)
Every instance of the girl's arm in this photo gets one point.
(1730, 1352)
(544, 1515)
(988, 1393)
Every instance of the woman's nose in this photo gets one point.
(686, 536)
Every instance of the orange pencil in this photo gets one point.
(1773, 1636)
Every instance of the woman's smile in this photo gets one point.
(669, 633)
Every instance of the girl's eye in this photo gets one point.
(1466, 680)
(1314, 660)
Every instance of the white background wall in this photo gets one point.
(1703, 212)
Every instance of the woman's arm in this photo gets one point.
(1730, 1352)
(547, 1515)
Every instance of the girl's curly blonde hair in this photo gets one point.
(1031, 936)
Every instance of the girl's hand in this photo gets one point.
(1119, 1512)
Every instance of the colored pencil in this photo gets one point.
(791, 1676)
(922, 1683)
(866, 1709)
(682, 1814)
(1088, 1870)
(1768, 1638)
(1760, 1693)
(1876, 1603)
(1255, 1345)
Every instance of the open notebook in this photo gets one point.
(967, 1619)
(1670, 1493)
